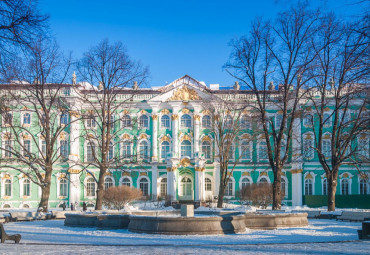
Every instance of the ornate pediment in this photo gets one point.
(184, 94)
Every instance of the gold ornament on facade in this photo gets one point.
(126, 137)
(197, 117)
(326, 136)
(143, 136)
(246, 136)
(206, 139)
(125, 112)
(7, 136)
(345, 175)
(90, 136)
(326, 109)
(62, 136)
(26, 137)
(74, 171)
(185, 162)
(308, 136)
(61, 176)
(199, 169)
(165, 111)
(154, 117)
(184, 94)
(143, 112)
(175, 116)
(6, 176)
(186, 137)
(74, 114)
(308, 109)
(308, 176)
(143, 174)
(25, 108)
(246, 174)
(263, 174)
(185, 111)
(164, 138)
(296, 171)
(171, 169)
(126, 174)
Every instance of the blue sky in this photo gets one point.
(173, 38)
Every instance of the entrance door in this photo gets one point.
(186, 189)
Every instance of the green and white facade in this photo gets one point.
(173, 137)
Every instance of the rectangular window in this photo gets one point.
(64, 149)
(8, 149)
(26, 148)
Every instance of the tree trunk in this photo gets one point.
(276, 191)
(45, 192)
(221, 194)
(100, 190)
(332, 188)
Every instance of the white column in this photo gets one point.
(199, 184)
(154, 181)
(196, 135)
(175, 135)
(217, 176)
(296, 187)
(74, 156)
(171, 182)
(155, 138)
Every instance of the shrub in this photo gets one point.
(259, 194)
(118, 197)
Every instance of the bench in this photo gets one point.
(353, 216)
(310, 214)
(26, 216)
(4, 236)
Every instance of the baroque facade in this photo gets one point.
(173, 139)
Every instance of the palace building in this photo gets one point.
(173, 139)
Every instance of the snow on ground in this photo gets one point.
(52, 237)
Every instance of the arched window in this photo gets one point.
(63, 187)
(283, 187)
(90, 150)
(144, 186)
(144, 150)
(229, 188)
(228, 122)
(186, 187)
(90, 187)
(27, 119)
(363, 146)
(308, 148)
(263, 180)
(326, 148)
(8, 188)
(245, 182)
(26, 187)
(325, 187)
(165, 149)
(26, 148)
(278, 120)
(8, 149)
(308, 120)
(230, 147)
(207, 184)
(308, 187)
(345, 187)
(364, 187)
(64, 118)
(206, 121)
(244, 123)
(126, 182)
(186, 148)
(186, 121)
(206, 149)
(110, 151)
(327, 120)
(8, 118)
(262, 150)
(108, 182)
(165, 121)
(245, 150)
(163, 187)
(126, 121)
(63, 148)
(126, 149)
(282, 149)
(143, 121)
(91, 122)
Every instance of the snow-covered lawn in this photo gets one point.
(52, 237)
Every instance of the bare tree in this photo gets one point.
(109, 66)
(225, 128)
(35, 115)
(339, 116)
(276, 51)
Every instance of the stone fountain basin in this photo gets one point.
(275, 220)
(201, 225)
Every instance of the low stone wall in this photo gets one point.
(97, 220)
(273, 221)
(187, 225)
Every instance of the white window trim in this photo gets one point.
(138, 149)
(85, 152)
(349, 178)
(286, 186)
(250, 150)
(192, 149)
(159, 180)
(85, 188)
(21, 182)
(120, 122)
(191, 120)
(123, 177)
(313, 144)
(110, 177)
(212, 183)
(241, 181)
(160, 149)
(359, 179)
(160, 122)
(313, 182)
(149, 184)
(179, 188)
(138, 121)
(22, 119)
(263, 176)
(233, 182)
(258, 150)
(59, 178)
(3, 186)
